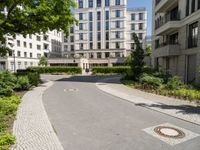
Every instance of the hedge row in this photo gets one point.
(110, 70)
(56, 69)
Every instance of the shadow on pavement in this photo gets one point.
(184, 109)
(92, 79)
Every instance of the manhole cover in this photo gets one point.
(169, 132)
(71, 90)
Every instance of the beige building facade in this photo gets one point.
(176, 41)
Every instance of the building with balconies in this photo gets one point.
(176, 38)
(104, 34)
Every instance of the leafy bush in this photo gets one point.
(22, 83)
(6, 140)
(56, 69)
(110, 70)
(34, 78)
(174, 83)
(150, 82)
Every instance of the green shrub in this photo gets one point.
(6, 140)
(34, 78)
(110, 70)
(22, 83)
(150, 82)
(174, 83)
(56, 69)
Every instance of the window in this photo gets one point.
(71, 30)
(99, 45)
(107, 25)
(31, 55)
(173, 39)
(80, 26)
(107, 15)
(72, 48)
(18, 42)
(99, 55)
(90, 16)
(140, 36)
(30, 36)
(193, 6)
(25, 44)
(188, 8)
(38, 38)
(117, 35)
(71, 38)
(107, 3)
(117, 24)
(193, 35)
(99, 36)
(117, 45)
(38, 47)
(80, 16)
(98, 15)
(81, 46)
(107, 35)
(99, 26)
(91, 36)
(132, 46)
(140, 26)
(30, 45)
(117, 13)
(141, 16)
(91, 26)
(133, 26)
(80, 36)
(117, 2)
(65, 48)
(91, 45)
(198, 4)
(80, 3)
(107, 45)
(98, 3)
(132, 16)
(18, 54)
(90, 3)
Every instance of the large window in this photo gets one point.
(107, 25)
(140, 26)
(91, 36)
(107, 2)
(91, 26)
(188, 8)
(133, 26)
(107, 15)
(117, 35)
(99, 26)
(193, 6)
(98, 3)
(117, 13)
(198, 4)
(99, 36)
(107, 36)
(132, 16)
(193, 35)
(80, 36)
(117, 24)
(117, 2)
(90, 3)
(90, 16)
(173, 39)
(98, 15)
(141, 16)
(80, 26)
(80, 16)
(80, 3)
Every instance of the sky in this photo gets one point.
(143, 3)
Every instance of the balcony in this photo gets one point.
(164, 5)
(167, 24)
(165, 50)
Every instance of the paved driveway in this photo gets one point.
(86, 118)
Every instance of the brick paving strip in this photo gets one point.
(181, 109)
(32, 128)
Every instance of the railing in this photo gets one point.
(166, 44)
(167, 18)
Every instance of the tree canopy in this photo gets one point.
(43, 61)
(34, 16)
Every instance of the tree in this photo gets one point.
(148, 50)
(43, 61)
(136, 61)
(34, 16)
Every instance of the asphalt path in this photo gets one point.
(85, 118)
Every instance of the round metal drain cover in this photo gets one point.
(169, 132)
(71, 90)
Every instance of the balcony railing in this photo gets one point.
(166, 44)
(167, 18)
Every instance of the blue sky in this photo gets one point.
(143, 3)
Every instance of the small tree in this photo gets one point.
(43, 61)
(148, 50)
(137, 57)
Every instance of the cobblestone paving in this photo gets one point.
(32, 128)
(177, 108)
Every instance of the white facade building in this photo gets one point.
(104, 33)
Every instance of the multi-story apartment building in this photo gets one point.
(104, 35)
(26, 51)
(176, 45)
